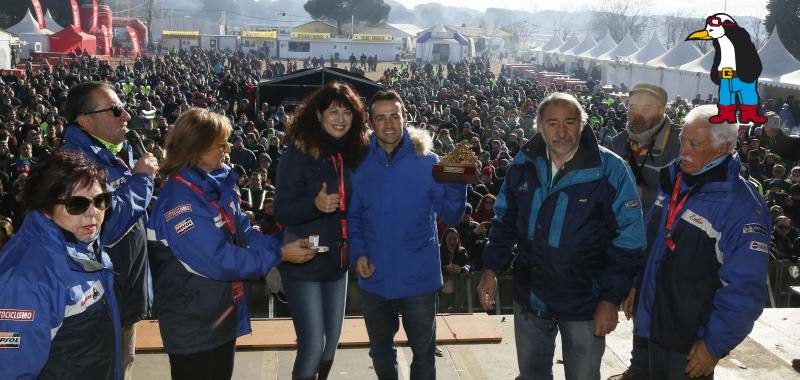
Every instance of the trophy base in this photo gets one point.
(455, 174)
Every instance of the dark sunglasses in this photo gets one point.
(77, 205)
(116, 110)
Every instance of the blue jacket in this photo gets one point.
(392, 217)
(58, 312)
(195, 261)
(123, 230)
(713, 287)
(580, 236)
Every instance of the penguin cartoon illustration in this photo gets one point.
(736, 69)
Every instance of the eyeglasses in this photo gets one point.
(77, 205)
(716, 21)
(116, 110)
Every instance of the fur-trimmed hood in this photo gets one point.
(422, 140)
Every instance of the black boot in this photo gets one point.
(324, 369)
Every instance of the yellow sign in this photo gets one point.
(373, 37)
(258, 34)
(310, 36)
(180, 34)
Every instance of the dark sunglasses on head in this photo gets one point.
(77, 205)
(116, 110)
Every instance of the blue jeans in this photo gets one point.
(317, 309)
(419, 322)
(730, 89)
(669, 365)
(536, 343)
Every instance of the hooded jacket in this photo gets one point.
(58, 312)
(196, 261)
(580, 235)
(392, 217)
(713, 286)
(123, 231)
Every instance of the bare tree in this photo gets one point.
(758, 33)
(521, 31)
(678, 25)
(621, 17)
(563, 26)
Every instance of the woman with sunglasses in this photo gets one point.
(58, 309)
(202, 249)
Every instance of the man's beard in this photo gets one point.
(644, 136)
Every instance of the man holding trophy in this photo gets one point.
(393, 238)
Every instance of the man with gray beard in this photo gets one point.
(648, 143)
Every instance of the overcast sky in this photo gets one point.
(734, 7)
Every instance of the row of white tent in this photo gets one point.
(34, 38)
(682, 70)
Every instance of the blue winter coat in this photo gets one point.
(195, 260)
(713, 287)
(580, 235)
(59, 317)
(123, 231)
(392, 217)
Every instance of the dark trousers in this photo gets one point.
(419, 322)
(214, 364)
(640, 356)
(669, 365)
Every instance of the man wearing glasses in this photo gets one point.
(98, 123)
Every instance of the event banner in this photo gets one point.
(93, 27)
(134, 40)
(76, 14)
(37, 8)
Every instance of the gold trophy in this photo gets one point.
(458, 166)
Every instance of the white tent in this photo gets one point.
(572, 55)
(554, 42)
(680, 54)
(700, 65)
(32, 38)
(50, 23)
(790, 81)
(604, 46)
(697, 72)
(625, 48)
(6, 40)
(651, 50)
(439, 45)
(776, 60)
(570, 43)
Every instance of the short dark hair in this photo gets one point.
(79, 98)
(57, 176)
(390, 95)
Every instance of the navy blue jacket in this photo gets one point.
(58, 312)
(123, 231)
(713, 287)
(300, 178)
(392, 217)
(580, 236)
(195, 260)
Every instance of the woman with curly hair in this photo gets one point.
(326, 140)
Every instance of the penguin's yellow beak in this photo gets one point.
(699, 35)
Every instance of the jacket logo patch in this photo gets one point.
(10, 339)
(218, 221)
(17, 315)
(633, 203)
(583, 200)
(523, 188)
(182, 209)
(184, 226)
(759, 246)
(116, 184)
(755, 228)
(659, 201)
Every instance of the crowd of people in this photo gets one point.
(245, 184)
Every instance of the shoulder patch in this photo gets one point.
(184, 226)
(759, 246)
(10, 339)
(17, 315)
(659, 201)
(182, 209)
(633, 203)
(755, 228)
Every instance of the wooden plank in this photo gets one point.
(472, 328)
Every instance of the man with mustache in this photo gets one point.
(648, 143)
(572, 208)
(704, 284)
